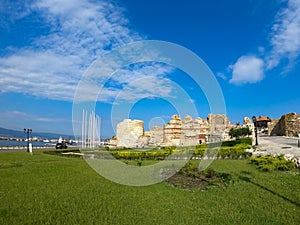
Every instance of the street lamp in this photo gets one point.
(255, 129)
(27, 131)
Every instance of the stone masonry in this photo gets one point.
(218, 124)
(177, 132)
(288, 125)
(172, 131)
(156, 136)
(129, 132)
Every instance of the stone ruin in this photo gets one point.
(288, 125)
(177, 132)
(129, 132)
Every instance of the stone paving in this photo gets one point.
(278, 145)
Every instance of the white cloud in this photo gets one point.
(137, 83)
(222, 76)
(142, 80)
(10, 13)
(80, 31)
(15, 115)
(284, 46)
(285, 35)
(141, 70)
(247, 69)
(44, 74)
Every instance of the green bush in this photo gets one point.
(235, 152)
(270, 163)
(230, 150)
(139, 162)
(199, 150)
(247, 141)
(240, 132)
(134, 155)
(168, 149)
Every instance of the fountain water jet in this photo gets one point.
(90, 130)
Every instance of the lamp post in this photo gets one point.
(27, 131)
(255, 129)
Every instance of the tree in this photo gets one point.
(239, 132)
(246, 131)
(233, 133)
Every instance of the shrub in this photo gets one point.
(199, 150)
(247, 141)
(168, 149)
(139, 162)
(270, 163)
(240, 132)
(231, 149)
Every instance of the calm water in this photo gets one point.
(22, 143)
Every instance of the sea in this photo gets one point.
(23, 143)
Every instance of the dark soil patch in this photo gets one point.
(191, 178)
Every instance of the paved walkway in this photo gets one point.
(278, 145)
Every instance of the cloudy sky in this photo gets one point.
(251, 46)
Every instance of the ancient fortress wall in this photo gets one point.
(218, 124)
(172, 131)
(287, 125)
(177, 132)
(156, 136)
(129, 132)
(190, 131)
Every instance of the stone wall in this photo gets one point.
(287, 125)
(218, 124)
(276, 127)
(177, 132)
(190, 131)
(156, 136)
(185, 132)
(142, 141)
(129, 133)
(248, 123)
(172, 131)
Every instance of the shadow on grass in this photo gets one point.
(247, 179)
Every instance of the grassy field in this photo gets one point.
(49, 189)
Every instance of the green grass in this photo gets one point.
(49, 189)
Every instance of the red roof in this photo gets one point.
(263, 118)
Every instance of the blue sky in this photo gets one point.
(251, 46)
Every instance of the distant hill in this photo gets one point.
(20, 134)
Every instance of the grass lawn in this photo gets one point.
(49, 189)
